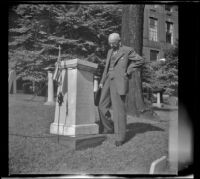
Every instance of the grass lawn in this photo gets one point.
(33, 150)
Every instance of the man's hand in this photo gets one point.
(100, 85)
(126, 74)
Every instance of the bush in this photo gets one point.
(162, 74)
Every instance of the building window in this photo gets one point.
(155, 6)
(154, 55)
(153, 29)
(168, 8)
(169, 32)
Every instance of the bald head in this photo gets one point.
(114, 40)
(114, 37)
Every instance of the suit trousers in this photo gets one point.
(110, 97)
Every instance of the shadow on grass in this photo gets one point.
(136, 128)
(149, 114)
(174, 108)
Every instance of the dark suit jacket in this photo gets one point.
(127, 61)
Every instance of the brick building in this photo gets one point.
(160, 30)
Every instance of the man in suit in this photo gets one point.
(121, 62)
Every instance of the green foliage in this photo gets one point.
(36, 31)
(171, 70)
(163, 74)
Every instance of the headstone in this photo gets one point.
(158, 103)
(34, 87)
(158, 100)
(12, 81)
(159, 166)
(173, 100)
(76, 115)
(50, 95)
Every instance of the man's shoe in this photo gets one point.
(118, 143)
(108, 132)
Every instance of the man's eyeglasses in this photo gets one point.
(113, 43)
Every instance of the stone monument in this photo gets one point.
(12, 81)
(158, 103)
(50, 95)
(76, 115)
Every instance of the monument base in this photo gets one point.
(50, 103)
(157, 105)
(74, 130)
(81, 142)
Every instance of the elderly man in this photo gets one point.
(121, 62)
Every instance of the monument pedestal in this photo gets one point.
(49, 103)
(80, 142)
(74, 130)
(76, 115)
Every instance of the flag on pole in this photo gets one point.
(57, 72)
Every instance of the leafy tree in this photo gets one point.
(36, 31)
(26, 42)
(170, 69)
(163, 74)
(132, 35)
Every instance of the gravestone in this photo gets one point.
(50, 95)
(158, 98)
(158, 166)
(12, 82)
(76, 115)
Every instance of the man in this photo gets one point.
(121, 62)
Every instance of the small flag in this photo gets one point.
(57, 72)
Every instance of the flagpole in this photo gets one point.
(57, 68)
(58, 77)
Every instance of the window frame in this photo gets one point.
(168, 6)
(153, 32)
(169, 31)
(157, 54)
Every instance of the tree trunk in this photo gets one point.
(132, 35)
